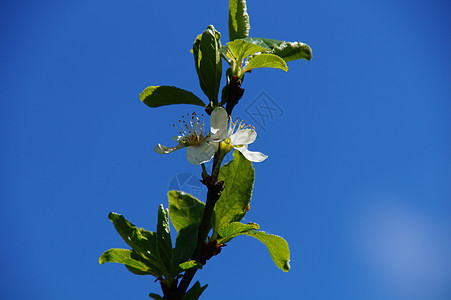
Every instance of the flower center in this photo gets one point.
(191, 129)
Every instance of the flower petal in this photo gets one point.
(243, 137)
(177, 138)
(199, 154)
(220, 135)
(253, 156)
(165, 150)
(219, 119)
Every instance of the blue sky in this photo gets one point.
(358, 174)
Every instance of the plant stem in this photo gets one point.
(235, 92)
(214, 192)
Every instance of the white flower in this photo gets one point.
(201, 147)
(245, 135)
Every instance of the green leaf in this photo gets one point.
(164, 239)
(225, 55)
(277, 247)
(128, 258)
(142, 241)
(241, 49)
(194, 292)
(186, 214)
(138, 271)
(155, 96)
(287, 50)
(234, 229)
(155, 296)
(265, 61)
(185, 243)
(238, 20)
(293, 50)
(187, 265)
(207, 59)
(184, 209)
(238, 175)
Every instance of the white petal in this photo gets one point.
(165, 150)
(219, 119)
(177, 138)
(201, 153)
(254, 156)
(220, 135)
(243, 137)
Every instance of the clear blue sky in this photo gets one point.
(358, 175)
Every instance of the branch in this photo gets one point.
(215, 189)
(234, 93)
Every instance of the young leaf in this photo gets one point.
(129, 259)
(234, 229)
(164, 239)
(293, 50)
(287, 50)
(155, 296)
(238, 20)
(188, 265)
(155, 96)
(265, 61)
(185, 243)
(277, 247)
(207, 59)
(184, 209)
(142, 241)
(238, 175)
(226, 55)
(241, 49)
(194, 292)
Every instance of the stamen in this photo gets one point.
(191, 129)
(240, 124)
(186, 125)
(181, 132)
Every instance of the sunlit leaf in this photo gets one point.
(241, 49)
(265, 61)
(187, 265)
(130, 259)
(238, 176)
(235, 229)
(184, 209)
(238, 20)
(225, 54)
(289, 51)
(277, 247)
(208, 63)
(155, 96)
(164, 238)
(142, 241)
